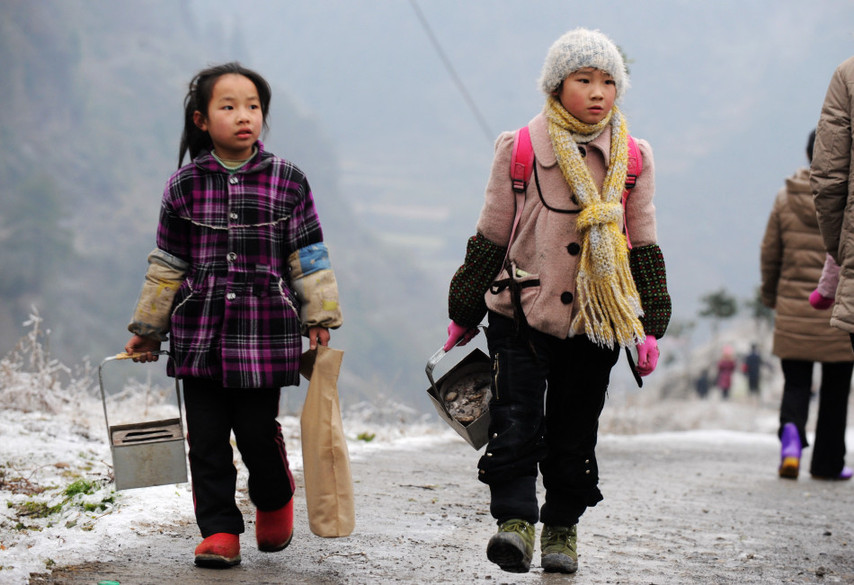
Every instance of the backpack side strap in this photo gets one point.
(635, 166)
(522, 161)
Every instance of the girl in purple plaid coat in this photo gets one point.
(239, 274)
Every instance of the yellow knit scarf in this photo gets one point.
(609, 304)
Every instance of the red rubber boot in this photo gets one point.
(220, 550)
(274, 530)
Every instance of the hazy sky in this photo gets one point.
(725, 91)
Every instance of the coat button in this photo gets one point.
(566, 297)
(573, 249)
(231, 256)
(233, 216)
(230, 296)
(233, 179)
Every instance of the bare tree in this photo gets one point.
(718, 306)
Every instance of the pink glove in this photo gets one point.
(459, 333)
(819, 301)
(647, 356)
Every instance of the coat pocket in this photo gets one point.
(508, 295)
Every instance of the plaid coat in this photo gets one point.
(235, 317)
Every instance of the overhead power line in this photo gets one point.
(456, 78)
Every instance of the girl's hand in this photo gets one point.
(647, 356)
(317, 335)
(144, 346)
(458, 333)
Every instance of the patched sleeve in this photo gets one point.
(647, 265)
(315, 286)
(162, 279)
(466, 299)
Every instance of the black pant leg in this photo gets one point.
(509, 464)
(828, 454)
(212, 470)
(262, 447)
(577, 386)
(797, 390)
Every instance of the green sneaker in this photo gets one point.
(513, 546)
(559, 545)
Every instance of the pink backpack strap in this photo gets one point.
(522, 161)
(633, 171)
(521, 168)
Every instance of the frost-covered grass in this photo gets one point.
(58, 503)
(55, 474)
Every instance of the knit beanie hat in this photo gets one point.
(583, 48)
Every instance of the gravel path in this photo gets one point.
(680, 507)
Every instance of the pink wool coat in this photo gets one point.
(547, 246)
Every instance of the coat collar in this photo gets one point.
(260, 161)
(542, 142)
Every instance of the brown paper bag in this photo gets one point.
(326, 461)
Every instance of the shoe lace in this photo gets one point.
(562, 536)
(518, 526)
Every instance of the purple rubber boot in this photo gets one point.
(790, 451)
(844, 475)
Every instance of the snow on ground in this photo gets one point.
(44, 523)
(56, 466)
(61, 504)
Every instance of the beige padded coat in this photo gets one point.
(792, 256)
(832, 183)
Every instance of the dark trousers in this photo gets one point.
(828, 454)
(213, 412)
(547, 395)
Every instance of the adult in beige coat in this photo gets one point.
(832, 183)
(792, 257)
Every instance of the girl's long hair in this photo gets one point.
(194, 140)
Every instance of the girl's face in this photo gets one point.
(588, 94)
(234, 118)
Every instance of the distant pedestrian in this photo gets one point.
(702, 383)
(792, 258)
(239, 273)
(563, 301)
(753, 365)
(726, 368)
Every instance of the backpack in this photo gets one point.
(522, 166)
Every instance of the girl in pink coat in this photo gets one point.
(563, 294)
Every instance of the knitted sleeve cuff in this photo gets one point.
(647, 264)
(466, 303)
